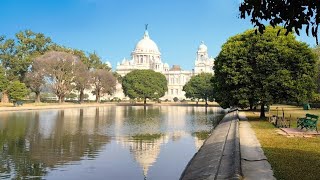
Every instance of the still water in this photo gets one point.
(114, 142)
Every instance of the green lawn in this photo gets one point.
(290, 158)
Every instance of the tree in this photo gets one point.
(81, 79)
(59, 68)
(94, 61)
(103, 82)
(263, 69)
(144, 84)
(34, 79)
(293, 14)
(200, 87)
(17, 90)
(16, 55)
(4, 82)
(316, 50)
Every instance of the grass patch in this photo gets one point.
(202, 135)
(290, 158)
(147, 137)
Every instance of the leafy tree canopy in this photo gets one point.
(18, 90)
(199, 87)
(144, 84)
(3, 79)
(263, 69)
(292, 14)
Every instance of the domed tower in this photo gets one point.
(202, 53)
(203, 63)
(146, 54)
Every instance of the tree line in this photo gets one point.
(31, 61)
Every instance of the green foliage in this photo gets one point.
(291, 14)
(144, 84)
(3, 79)
(16, 55)
(71, 96)
(316, 50)
(199, 87)
(264, 68)
(96, 63)
(18, 90)
(175, 99)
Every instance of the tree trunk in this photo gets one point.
(262, 111)
(206, 101)
(37, 99)
(60, 99)
(81, 96)
(97, 96)
(251, 106)
(145, 101)
(5, 97)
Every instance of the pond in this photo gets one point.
(112, 142)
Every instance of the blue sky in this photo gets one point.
(113, 27)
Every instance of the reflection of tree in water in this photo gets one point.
(143, 120)
(26, 153)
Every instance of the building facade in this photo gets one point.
(146, 55)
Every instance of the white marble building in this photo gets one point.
(146, 55)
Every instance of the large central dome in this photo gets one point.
(146, 45)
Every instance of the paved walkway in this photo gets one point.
(254, 163)
(219, 157)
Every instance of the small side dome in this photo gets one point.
(166, 65)
(108, 64)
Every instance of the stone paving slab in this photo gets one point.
(298, 131)
(254, 163)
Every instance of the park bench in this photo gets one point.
(18, 103)
(308, 122)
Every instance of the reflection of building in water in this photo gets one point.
(145, 152)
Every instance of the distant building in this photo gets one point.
(146, 55)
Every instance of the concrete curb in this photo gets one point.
(219, 157)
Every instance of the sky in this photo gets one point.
(111, 28)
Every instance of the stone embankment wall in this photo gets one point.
(219, 157)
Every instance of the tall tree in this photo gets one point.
(316, 50)
(60, 70)
(35, 79)
(81, 79)
(94, 61)
(144, 84)
(199, 87)
(292, 14)
(16, 54)
(263, 69)
(103, 82)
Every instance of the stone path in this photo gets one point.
(254, 163)
(292, 132)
